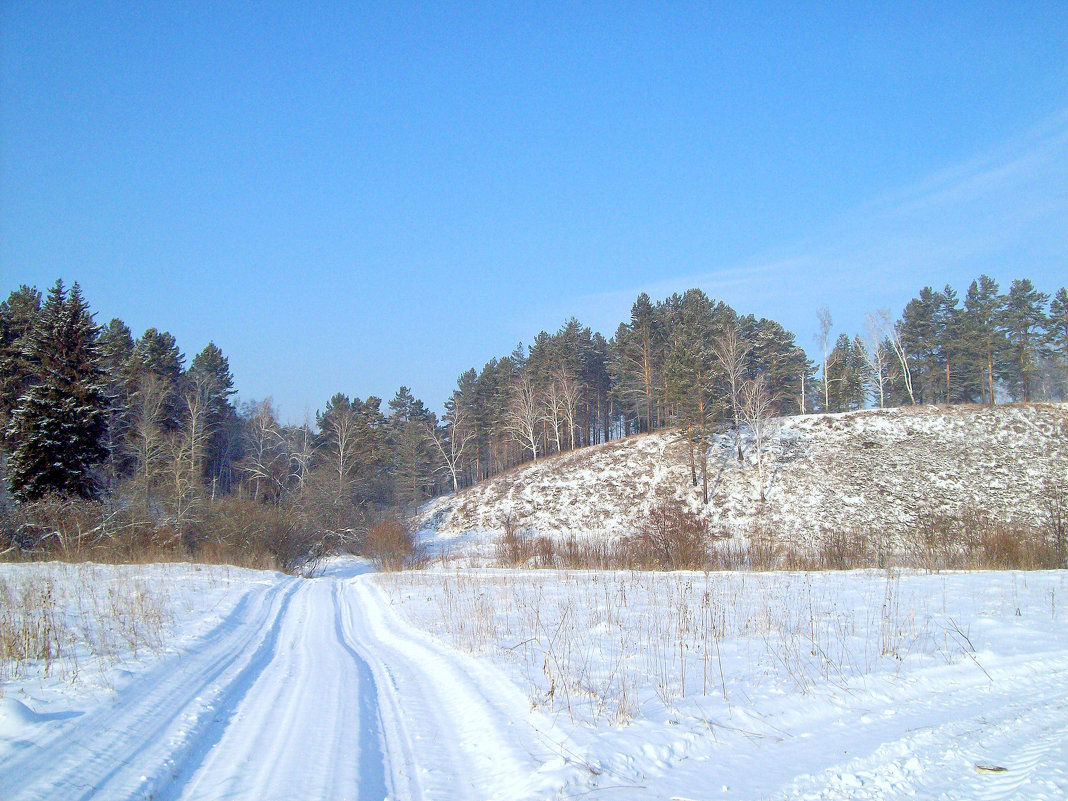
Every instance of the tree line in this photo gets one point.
(88, 411)
(987, 348)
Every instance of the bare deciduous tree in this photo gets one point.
(876, 357)
(823, 314)
(890, 331)
(758, 409)
(524, 414)
(340, 433)
(149, 438)
(262, 452)
(569, 391)
(451, 443)
(731, 352)
(300, 451)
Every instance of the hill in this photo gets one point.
(871, 471)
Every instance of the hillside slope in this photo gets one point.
(870, 471)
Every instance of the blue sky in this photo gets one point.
(350, 197)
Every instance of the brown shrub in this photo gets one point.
(670, 537)
(391, 544)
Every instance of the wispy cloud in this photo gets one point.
(1004, 212)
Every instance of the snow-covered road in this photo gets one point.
(345, 686)
(308, 689)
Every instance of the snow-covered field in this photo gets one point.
(865, 473)
(453, 684)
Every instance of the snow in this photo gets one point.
(462, 684)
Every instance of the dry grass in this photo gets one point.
(61, 619)
(671, 538)
(599, 646)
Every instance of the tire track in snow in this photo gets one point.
(458, 729)
(132, 749)
(308, 725)
(310, 689)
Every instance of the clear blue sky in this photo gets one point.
(354, 196)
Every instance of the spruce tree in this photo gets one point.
(157, 355)
(209, 376)
(59, 424)
(18, 314)
(117, 360)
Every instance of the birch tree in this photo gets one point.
(876, 357)
(731, 353)
(758, 409)
(524, 414)
(892, 333)
(451, 441)
(823, 314)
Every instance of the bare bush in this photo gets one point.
(1055, 507)
(391, 544)
(514, 547)
(670, 537)
(971, 538)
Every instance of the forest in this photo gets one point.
(118, 444)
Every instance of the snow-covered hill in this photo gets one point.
(868, 471)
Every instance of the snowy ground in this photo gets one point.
(866, 473)
(497, 684)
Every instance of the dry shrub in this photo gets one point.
(74, 529)
(241, 530)
(391, 544)
(573, 553)
(848, 549)
(514, 548)
(670, 537)
(1055, 514)
(232, 530)
(973, 539)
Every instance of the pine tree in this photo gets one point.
(947, 345)
(1058, 323)
(1057, 335)
(692, 374)
(775, 354)
(1023, 322)
(413, 464)
(920, 337)
(59, 424)
(845, 376)
(982, 341)
(640, 348)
